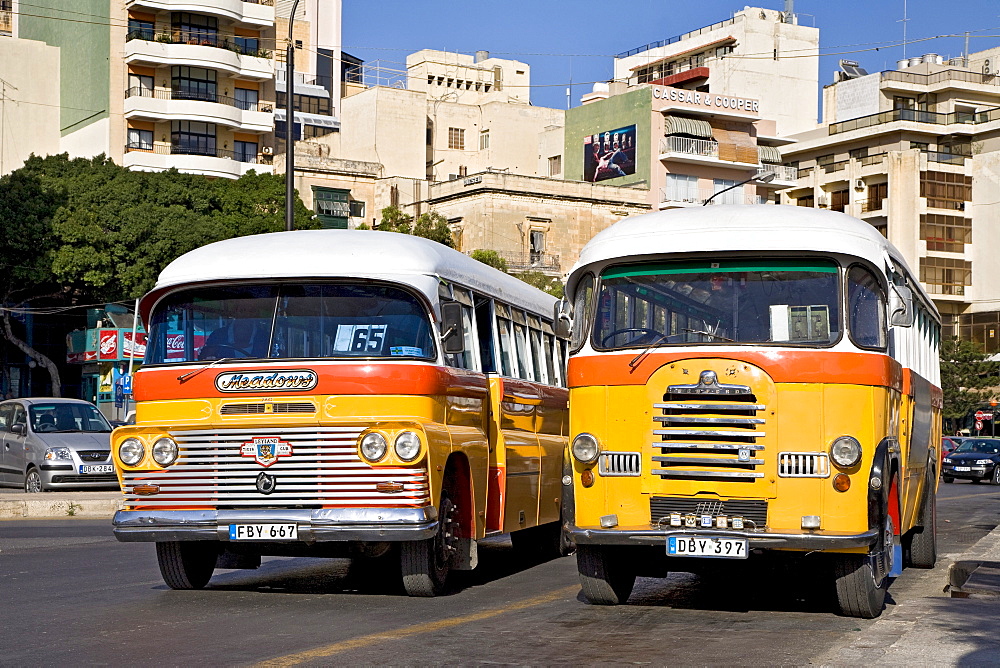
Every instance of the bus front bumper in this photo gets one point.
(319, 525)
(813, 540)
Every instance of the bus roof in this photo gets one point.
(734, 228)
(324, 254)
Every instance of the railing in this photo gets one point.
(870, 205)
(266, 3)
(531, 261)
(165, 149)
(874, 159)
(689, 146)
(946, 158)
(805, 171)
(668, 194)
(201, 38)
(674, 40)
(917, 116)
(837, 166)
(161, 94)
(939, 77)
(781, 172)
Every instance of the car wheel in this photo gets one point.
(948, 479)
(186, 565)
(996, 475)
(33, 481)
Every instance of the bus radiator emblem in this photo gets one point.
(266, 483)
(265, 450)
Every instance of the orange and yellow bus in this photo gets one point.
(342, 393)
(751, 383)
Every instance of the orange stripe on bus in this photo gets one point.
(783, 366)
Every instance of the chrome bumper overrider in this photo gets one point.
(330, 524)
(818, 540)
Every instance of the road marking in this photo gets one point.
(962, 496)
(406, 631)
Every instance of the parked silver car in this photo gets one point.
(50, 444)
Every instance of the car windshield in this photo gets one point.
(332, 320)
(986, 447)
(67, 417)
(760, 301)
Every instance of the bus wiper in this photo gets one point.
(714, 336)
(185, 376)
(637, 360)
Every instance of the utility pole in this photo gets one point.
(290, 125)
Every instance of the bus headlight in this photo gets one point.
(131, 451)
(585, 448)
(373, 446)
(407, 446)
(845, 451)
(165, 451)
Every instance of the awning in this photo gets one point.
(769, 154)
(676, 125)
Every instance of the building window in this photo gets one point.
(945, 276)
(877, 192)
(945, 233)
(357, 208)
(192, 138)
(456, 138)
(139, 84)
(310, 131)
(920, 145)
(823, 160)
(279, 130)
(136, 29)
(305, 103)
(734, 196)
(248, 46)
(555, 165)
(332, 207)
(681, 188)
(193, 83)
(484, 140)
(536, 241)
(195, 28)
(806, 200)
(245, 151)
(839, 199)
(246, 99)
(945, 190)
(140, 140)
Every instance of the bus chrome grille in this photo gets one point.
(709, 436)
(620, 464)
(753, 512)
(803, 465)
(296, 407)
(323, 470)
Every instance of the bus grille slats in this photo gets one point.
(660, 508)
(324, 469)
(276, 408)
(620, 464)
(803, 464)
(708, 438)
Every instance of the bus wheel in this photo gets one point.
(923, 540)
(186, 565)
(606, 578)
(425, 563)
(862, 580)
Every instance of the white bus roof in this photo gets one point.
(736, 228)
(324, 254)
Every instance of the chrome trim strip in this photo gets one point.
(708, 446)
(819, 540)
(666, 473)
(718, 408)
(698, 460)
(709, 420)
(705, 432)
(327, 524)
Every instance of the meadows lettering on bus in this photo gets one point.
(284, 379)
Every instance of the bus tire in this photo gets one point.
(605, 577)
(858, 595)
(186, 564)
(923, 539)
(425, 564)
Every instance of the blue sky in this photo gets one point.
(575, 41)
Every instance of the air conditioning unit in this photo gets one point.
(859, 184)
(267, 150)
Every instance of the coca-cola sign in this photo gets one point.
(133, 348)
(107, 344)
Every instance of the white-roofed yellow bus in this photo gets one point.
(342, 393)
(751, 383)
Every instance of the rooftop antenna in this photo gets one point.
(789, 14)
(904, 21)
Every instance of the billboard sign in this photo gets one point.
(609, 155)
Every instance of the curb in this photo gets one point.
(58, 508)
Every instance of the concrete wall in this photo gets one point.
(604, 115)
(388, 126)
(29, 101)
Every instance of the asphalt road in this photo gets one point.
(71, 594)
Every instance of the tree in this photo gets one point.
(394, 220)
(490, 257)
(968, 379)
(434, 226)
(550, 284)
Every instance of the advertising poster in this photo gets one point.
(609, 155)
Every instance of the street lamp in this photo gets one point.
(290, 125)
(767, 178)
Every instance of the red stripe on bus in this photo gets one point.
(783, 366)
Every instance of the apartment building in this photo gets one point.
(915, 151)
(29, 101)
(159, 84)
(759, 53)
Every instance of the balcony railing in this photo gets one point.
(805, 171)
(874, 159)
(837, 166)
(161, 94)
(266, 3)
(946, 158)
(200, 38)
(165, 149)
(701, 147)
(531, 261)
(939, 77)
(781, 172)
(870, 205)
(917, 116)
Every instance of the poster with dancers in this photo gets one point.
(609, 155)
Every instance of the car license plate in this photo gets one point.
(707, 546)
(97, 468)
(263, 532)
(963, 468)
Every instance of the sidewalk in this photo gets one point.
(15, 504)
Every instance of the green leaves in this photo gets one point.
(967, 377)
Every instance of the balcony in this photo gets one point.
(916, 116)
(696, 151)
(945, 158)
(519, 262)
(838, 166)
(217, 162)
(783, 176)
(6, 21)
(873, 205)
(207, 50)
(165, 105)
(258, 13)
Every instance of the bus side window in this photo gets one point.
(549, 353)
(504, 330)
(583, 307)
(866, 308)
(484, 327)
(521, 346)
(466, 359)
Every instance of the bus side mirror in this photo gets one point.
(562, 317)
(901, 305)
(452, 336)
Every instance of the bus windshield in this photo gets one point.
(751, 301)
(289, 321)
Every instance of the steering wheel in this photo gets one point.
(626, 330)
(219, 351)
(45, 427)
